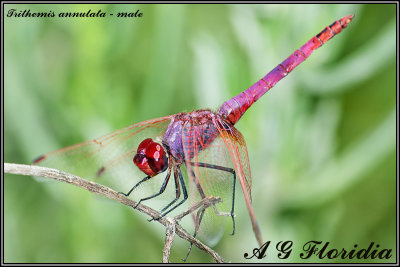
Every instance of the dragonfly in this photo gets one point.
(201, 150)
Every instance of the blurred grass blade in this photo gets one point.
(347, 169)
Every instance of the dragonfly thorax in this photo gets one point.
(189, 133)
(151, 158)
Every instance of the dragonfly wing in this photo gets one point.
(207, 168)
(236, 146)
(107, 159)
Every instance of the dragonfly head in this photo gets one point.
(151, 158)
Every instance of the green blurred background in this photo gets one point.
(321, 143)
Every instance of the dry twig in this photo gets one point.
(172, 226)
(169, 238)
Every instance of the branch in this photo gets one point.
(172, 226)
(169, 238)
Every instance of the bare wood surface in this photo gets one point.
(169, 238)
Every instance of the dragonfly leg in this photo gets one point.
(177, 173)
(136, 185)
(221, 168)
(178, 194)
(197, 227)
(162, 189)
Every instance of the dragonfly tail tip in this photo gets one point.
(346, 20)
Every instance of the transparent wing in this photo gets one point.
(236, 146)
(208, 163)
(108, 159)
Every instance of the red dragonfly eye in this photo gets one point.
(151, 158)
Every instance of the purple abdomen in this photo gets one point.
(234, 108)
